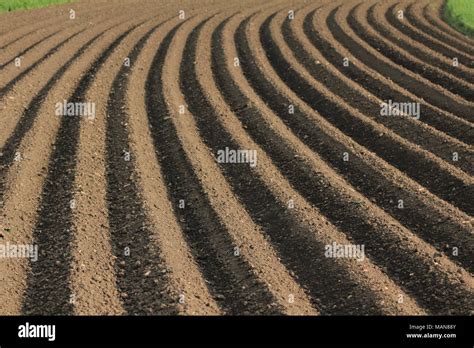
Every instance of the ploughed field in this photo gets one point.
(121, 123)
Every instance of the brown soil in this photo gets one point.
(133, 213)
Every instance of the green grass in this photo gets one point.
(460, 15)
(12, 5)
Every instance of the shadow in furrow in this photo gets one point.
(48, 288)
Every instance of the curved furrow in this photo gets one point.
(210, 234)
(292, 231)
(343, 35)
(245, 233)
(144, 281)
(427, 18)
(231, 147)
(428, 216)
(11, 145)
(93, 266)
(356, 96)
(438, 176)
(410, 26)
(12, 76)
(26, 177)
(388, 244)
(124, 196)
(380, 86)
(143, 278)
(414, 30)
(181, 264)
(9, 54)
(23, 22)
(48, 284)
(18, 38)
(12, 35)
(15, 132)
(274, 145)
(445, 83)
(7, 87)
(26, 91)
(384, 20)
(301, 244)
(83, 16)
(29, 48)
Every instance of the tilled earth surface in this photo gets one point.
(133, 210)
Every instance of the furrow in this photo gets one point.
(12, 74)
(107, 218)
(302, 234)
(87, 19)
(447, 84)
(240, 292)
(236, 158)
(53, 17)
(343, 34)
(8, 86)
(48, 283)
(26, 179)
(449, 183)
(252, 246)
(369, 179)
(32, 82)
(385, 21)
(18, 38)
(353, 220)
(380, 86)
(29, 48)
(13, 133)
(357, 97)
(182, 267)
(146, 276)
(426, 16)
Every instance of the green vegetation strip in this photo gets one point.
(460, 15)
(12, 5)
